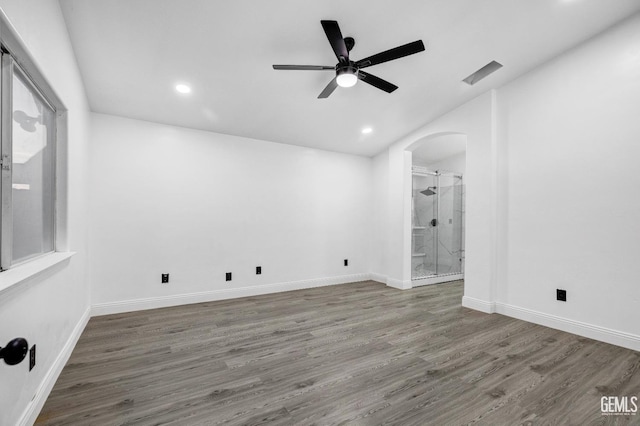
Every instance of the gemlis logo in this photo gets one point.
(618, 406)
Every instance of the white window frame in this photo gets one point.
(9, 69)
(11, 43)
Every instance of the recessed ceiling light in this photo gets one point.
(367, 130)
(183, 88)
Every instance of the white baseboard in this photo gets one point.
(30, 414)
(399, 284)
(213, 295)
(614, 337)
(478, 304)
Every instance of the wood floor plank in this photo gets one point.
(359, 353)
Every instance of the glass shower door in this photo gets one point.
(450, 222)
(437, 234)
(424, 237)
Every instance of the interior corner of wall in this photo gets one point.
(478, 304)
(399, 284)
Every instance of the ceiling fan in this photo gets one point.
(349, 72)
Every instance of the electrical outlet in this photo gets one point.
(32, 357)
(228, 276)
(258, 270)
(346, 262)
(165, 278)
(561, 295)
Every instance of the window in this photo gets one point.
(28, 134)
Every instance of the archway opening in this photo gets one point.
(437, 206)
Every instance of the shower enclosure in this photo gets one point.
(437, 239)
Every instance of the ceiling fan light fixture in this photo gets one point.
(183, 88)
(347, 76)
(348, 71)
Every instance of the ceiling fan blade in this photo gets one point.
(304, 67)
(332, 30)
(329, 89)
(391, 54)
(376, 82)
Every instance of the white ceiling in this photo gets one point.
(131, 54)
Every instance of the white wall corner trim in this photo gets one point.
(478, 305)
(32, 411)
(607, 335)
(220, 294)
(380, 278)
(399, 284)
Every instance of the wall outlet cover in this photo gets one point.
(561, 295)
(258, 270)
(165, 278)
(32, 357)
(228, 276)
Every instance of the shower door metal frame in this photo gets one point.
(437, 278)
(425, 173)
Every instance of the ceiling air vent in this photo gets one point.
(482, 73)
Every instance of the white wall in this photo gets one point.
(379, 217)
(197, 204)
(569, 148)
(49, 309)
(455, 163)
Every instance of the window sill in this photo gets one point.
(30, 269)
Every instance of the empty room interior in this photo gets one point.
(313, 213)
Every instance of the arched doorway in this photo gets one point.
(438, 166)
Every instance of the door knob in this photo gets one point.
(15, 351)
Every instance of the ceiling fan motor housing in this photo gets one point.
(346, 69)
(349, 42)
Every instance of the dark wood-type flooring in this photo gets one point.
(361, 354)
